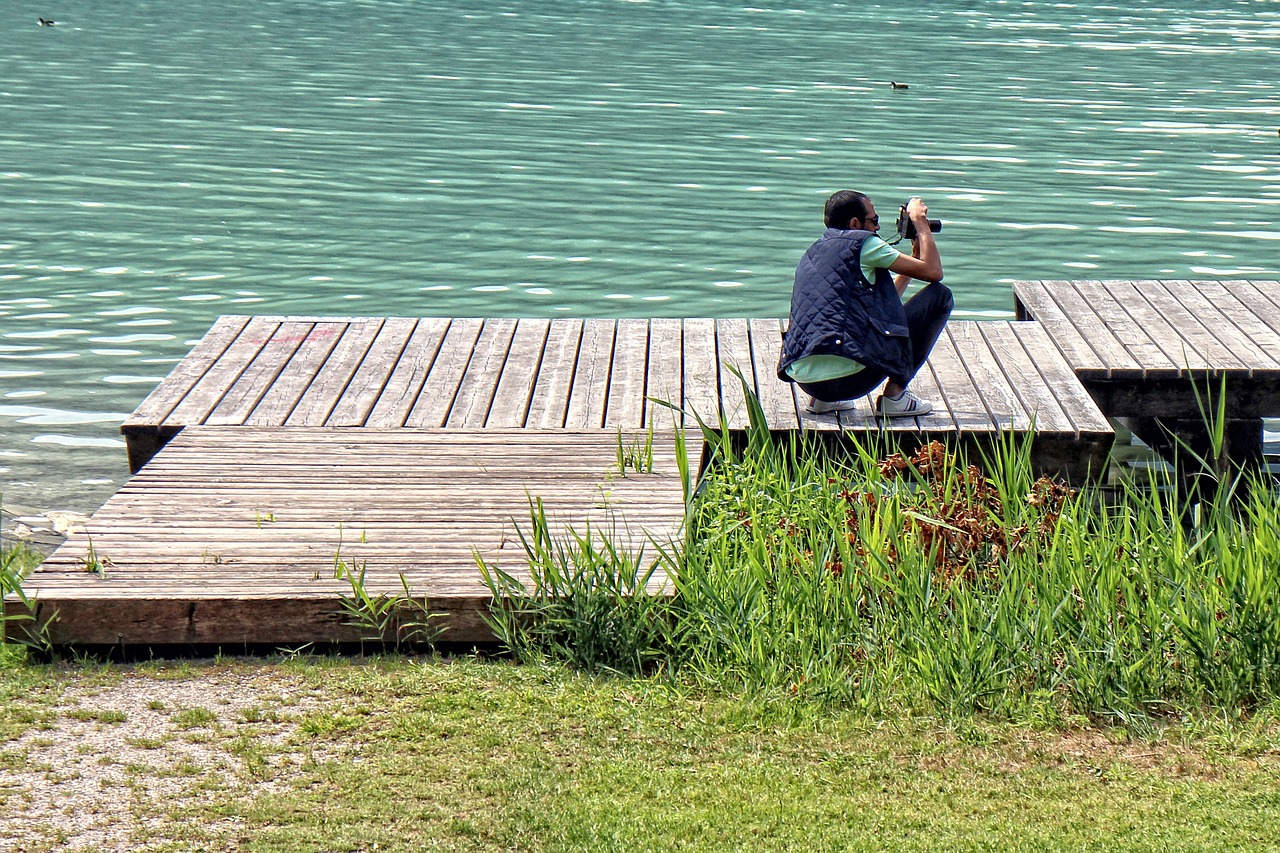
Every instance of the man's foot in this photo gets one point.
(822, 407)
(905, 405)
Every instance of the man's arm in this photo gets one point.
(923, 263)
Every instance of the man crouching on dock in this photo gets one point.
(849, 328)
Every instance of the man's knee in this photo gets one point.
(943, 298)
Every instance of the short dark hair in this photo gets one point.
(844, 206)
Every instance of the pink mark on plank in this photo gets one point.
(313, 335)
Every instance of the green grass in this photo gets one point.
(407, 754)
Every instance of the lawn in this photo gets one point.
(321, 754)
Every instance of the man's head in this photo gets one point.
(848, 210)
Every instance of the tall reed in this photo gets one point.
(930, 580)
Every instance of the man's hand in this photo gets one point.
(924, 263)
(918, 212)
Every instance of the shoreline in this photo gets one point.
(42, 531)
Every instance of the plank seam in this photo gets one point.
(537, 369)
(1195, 318)
(1097, 354)
(273, 373)
(351, 375)
(1017, 387)
(165, 411)
(435, 358)
(1180, 360)
(333, 344)
(391, 370)
(506, 357)
(1235, 297)
(977, 386)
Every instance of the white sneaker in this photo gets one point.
(906, 406)
(822, 407)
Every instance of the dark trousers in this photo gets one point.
(927, 314)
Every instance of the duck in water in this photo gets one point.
(894, 84)
(45, 22)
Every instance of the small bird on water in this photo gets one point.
(896, 85)
(45, 22)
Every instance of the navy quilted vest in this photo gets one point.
(836, 311)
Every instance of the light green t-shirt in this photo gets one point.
(875, 254)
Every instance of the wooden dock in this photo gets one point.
(1157, 351)
(408, 445)
(231, 536)
(986, 377)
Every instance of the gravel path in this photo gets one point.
(106, 767)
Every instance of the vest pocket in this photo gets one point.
(889, 330)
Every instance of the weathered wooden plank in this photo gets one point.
(926, 386)
(550, 404)
(438, 392)
(625, 407)
(701, 370)
(261, 374)
(480, 380)
(1265, 289)
(1226, 319)
(1025, 379)
(402, 388)
(373, 527)
(334, 376)
(777, 398)
(664, 379)
(581, 378)
(215, 545)
(1035, 300)
(284, 392)
(288, 461)
(1125, 340)
(209, 390)
(299, 440)
(1179, 354)
(962, 398)
(188, 372)
(519, 373)
(223, 551)
(863, 417)
(1208, 318)
(1056, 374)
(998, 396)
(1253, 300)
(1180, 324)
(590, 392)
(1171, 328)
(733, 352)
(360, 395)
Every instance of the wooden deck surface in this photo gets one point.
(230, 535)
(1156, 329)
(985, 377)
(1138, 346)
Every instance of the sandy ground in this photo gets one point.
(102, 772)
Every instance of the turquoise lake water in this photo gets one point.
(164, 163)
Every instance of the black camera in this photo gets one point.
(907, 228)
